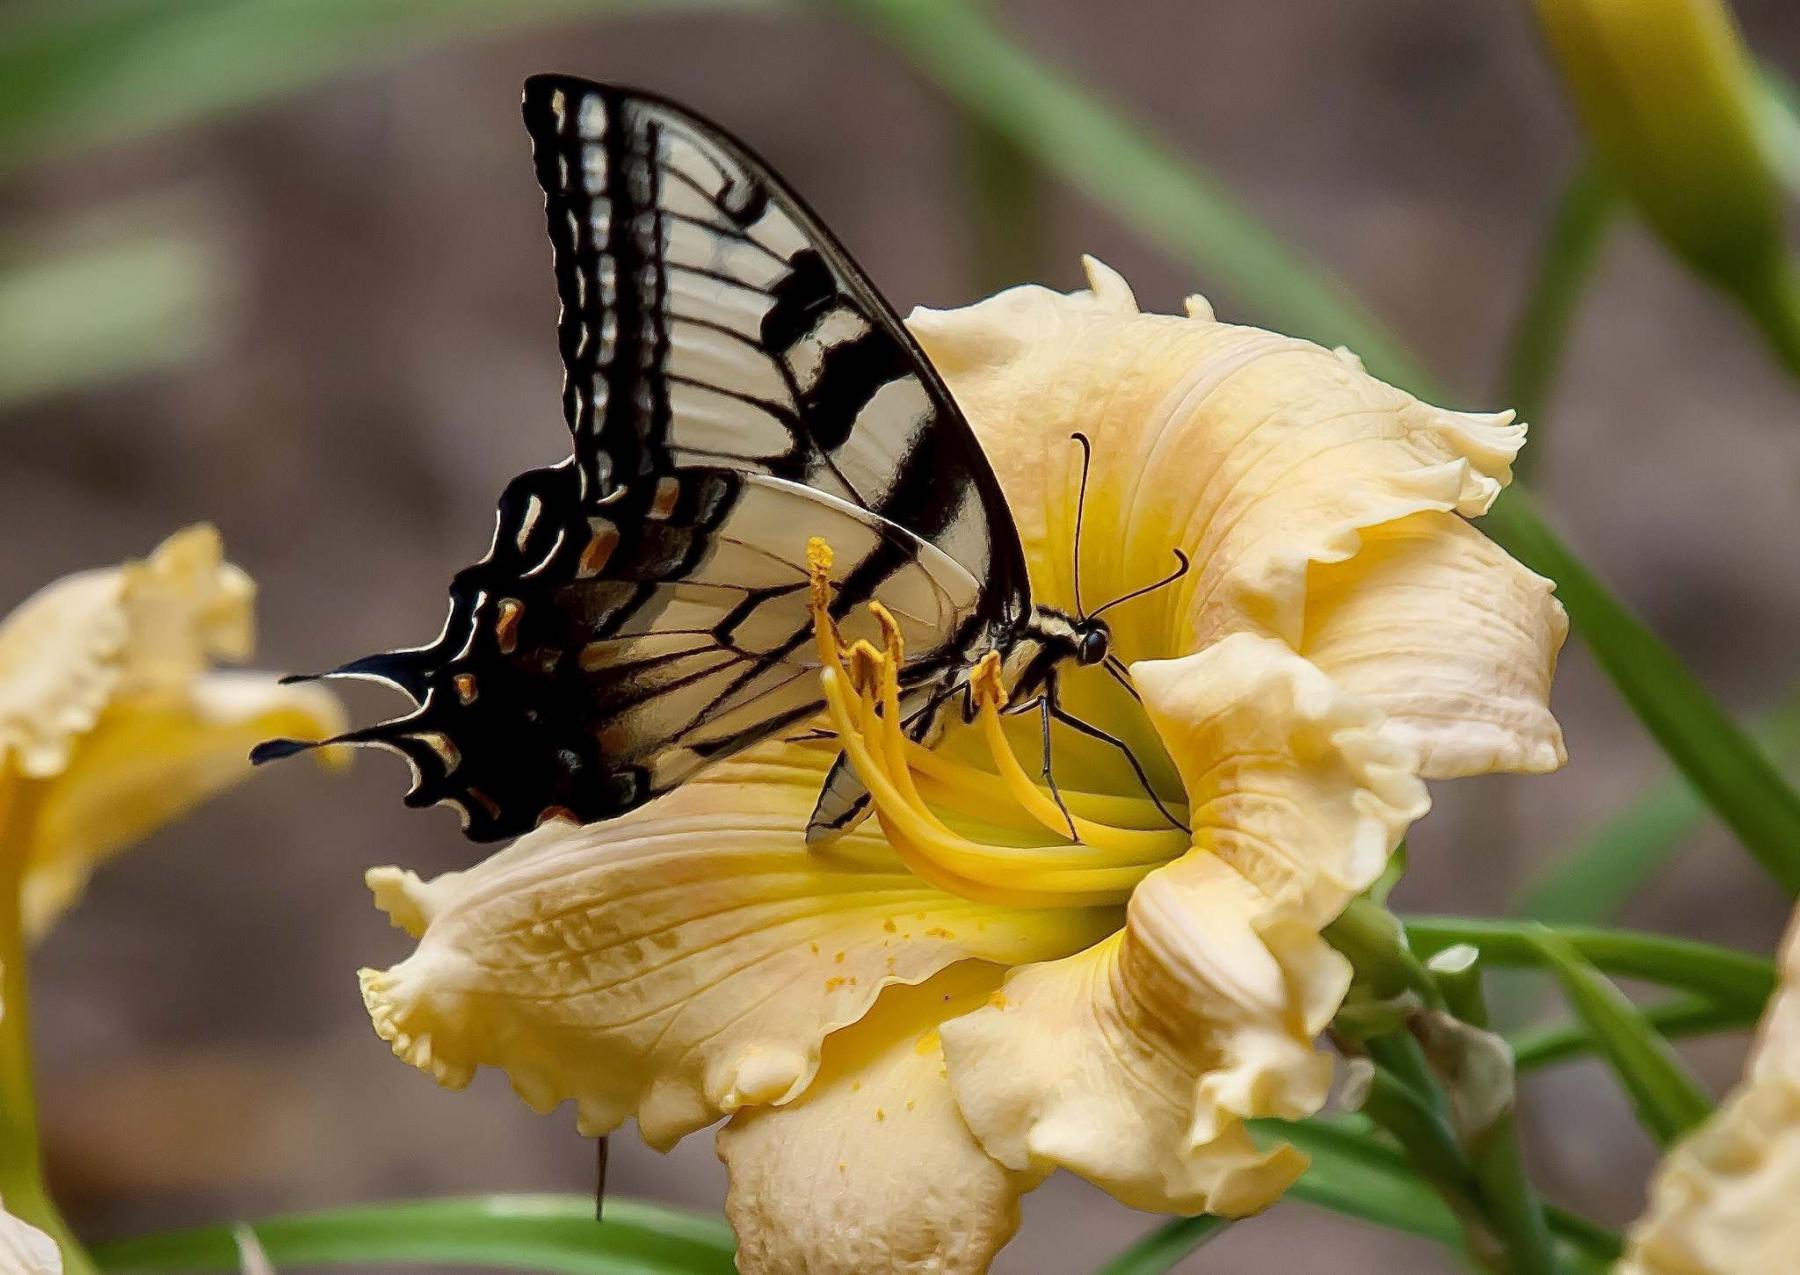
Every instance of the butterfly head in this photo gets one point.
(1053, 637)
(1092, 640)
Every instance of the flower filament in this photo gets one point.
(906, 780)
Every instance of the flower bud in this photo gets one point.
(1669, 99)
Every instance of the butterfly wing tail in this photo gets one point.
(496, 731)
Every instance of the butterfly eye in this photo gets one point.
(1093, 645)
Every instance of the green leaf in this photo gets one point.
(1540, 333)
(55, 336)
(555, 1233)
(1165, 1246)
(1668, 1100)
(1720, 974)
(1172, 202)
(75, 75)
(1682, 1016)
(1713, 751)
(1593, 879)
(1354, 1174)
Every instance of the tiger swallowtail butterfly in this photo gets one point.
(735, 386)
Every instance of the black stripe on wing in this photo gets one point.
(600, 655)
(734, 386)
(709, 318)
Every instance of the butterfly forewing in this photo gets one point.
(734, 386)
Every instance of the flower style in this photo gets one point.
(911, 1026)
(1722, 1200)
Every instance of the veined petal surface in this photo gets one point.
(681, 962)
(1255, 454)
(873, 1168)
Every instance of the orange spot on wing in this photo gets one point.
(506, 627)
(599, 548)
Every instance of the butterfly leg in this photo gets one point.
(1094, 732)
(1048, 711)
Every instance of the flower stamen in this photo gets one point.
(862, 693)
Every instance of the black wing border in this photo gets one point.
(1010, 584)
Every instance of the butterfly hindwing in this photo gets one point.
(734, 386)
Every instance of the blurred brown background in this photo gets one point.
(385, 360)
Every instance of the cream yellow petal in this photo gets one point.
(1135, 1063)
(60, 658)
(187, 607)
(25, 1250)
(145, 627)
(1254, 453)
(1294, 781)
(1723, 1200)
(149, 759)
(873, 1168)
(1448, 636)
(678, 963)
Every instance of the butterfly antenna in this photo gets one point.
(1169, 579)
(1087, 459)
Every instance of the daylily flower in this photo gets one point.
(913, 1025)
(1722, 1201)
(112, 724)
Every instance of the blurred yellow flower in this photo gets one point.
(112, 722)
(913, 1025)
(1723, 1200)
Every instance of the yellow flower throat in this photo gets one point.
(906, 781)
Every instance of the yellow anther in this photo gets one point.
(986, 682)
(861, 682)
(890, 633)
(867, 666)
(818, 570)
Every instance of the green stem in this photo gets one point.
(1684, 1016)
(1513, 1208)
(1571, 247)
(1373, 941)
(1484, 1184)
(1163, 1247)
(1416, 1124)
(1717, 973)
(22, 1190)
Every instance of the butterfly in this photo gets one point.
(735, 386)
